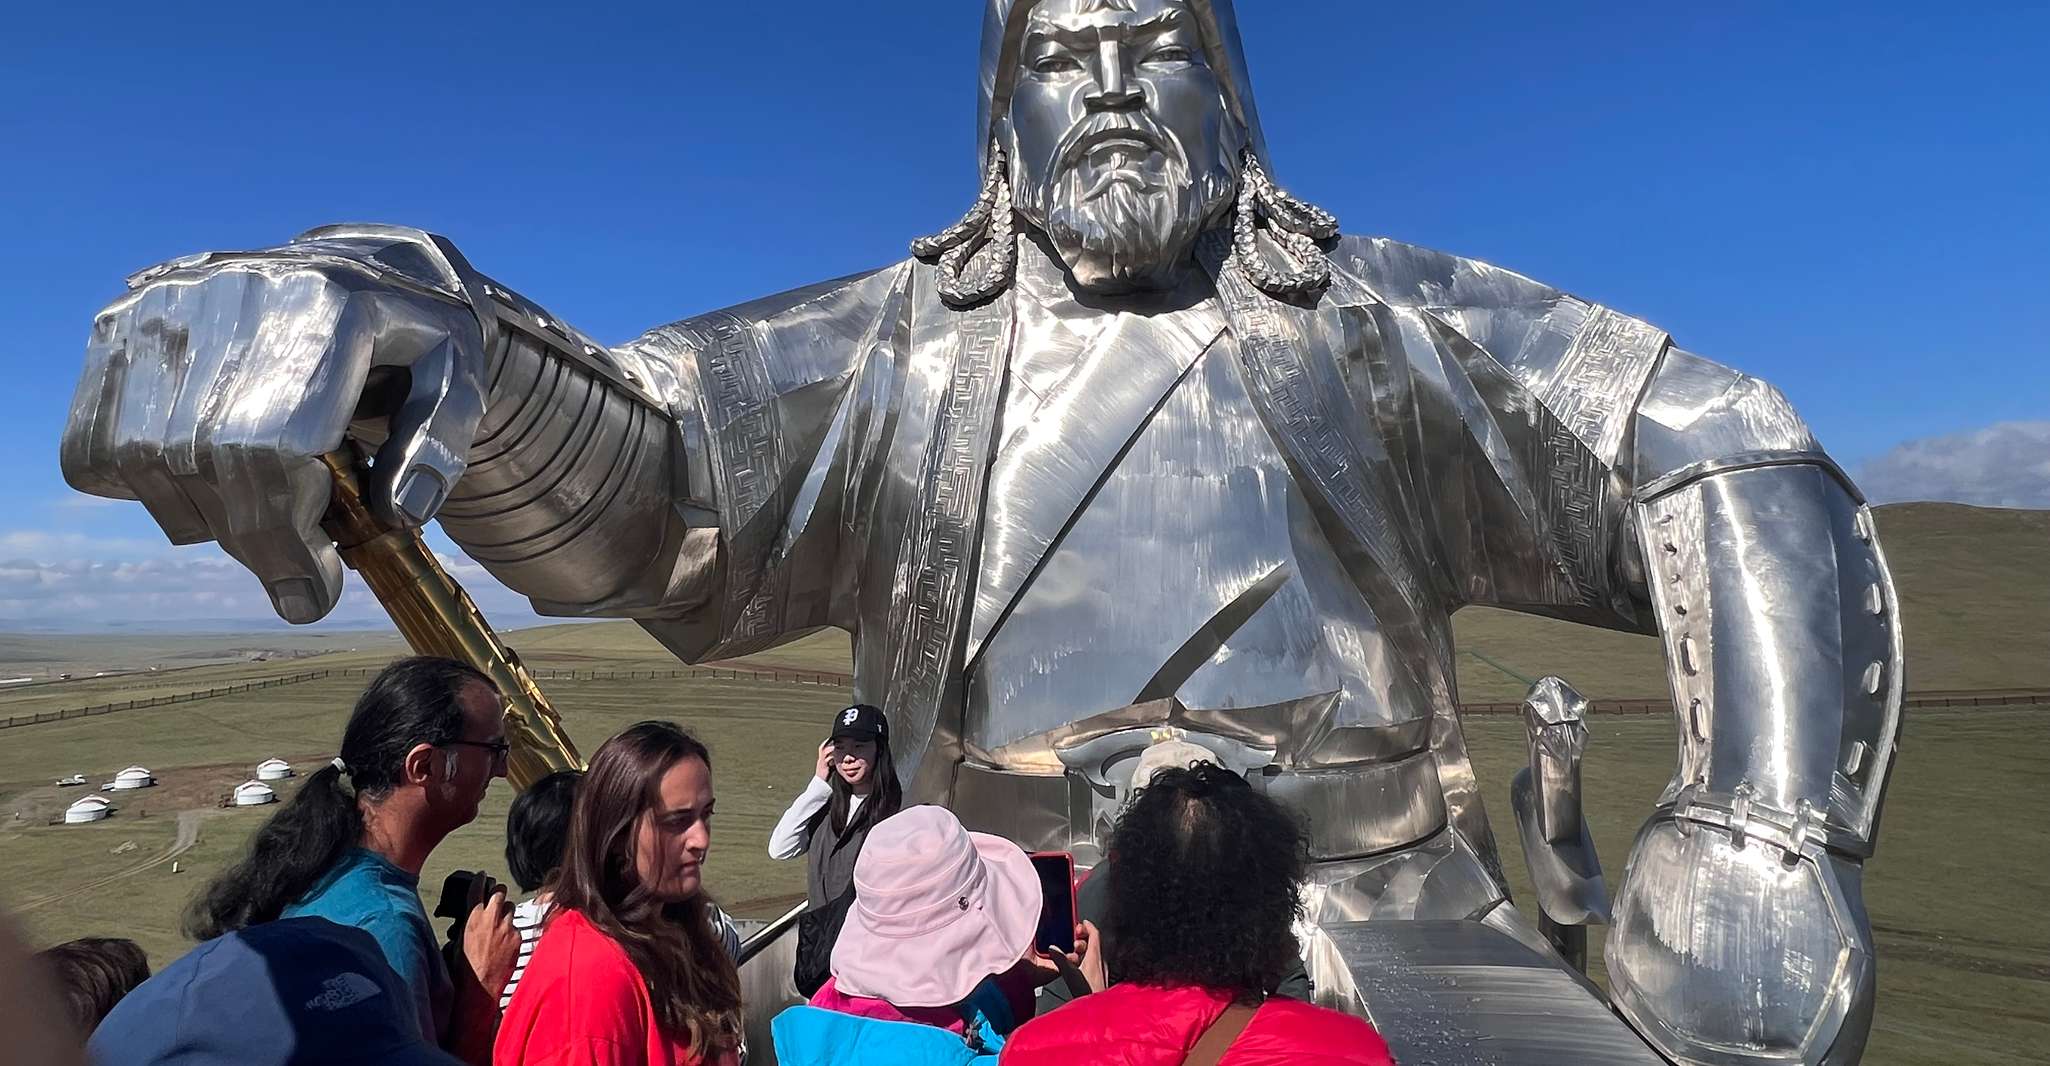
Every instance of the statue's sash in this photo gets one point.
(950, 390)
(1293, 375)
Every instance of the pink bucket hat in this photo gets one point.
(936, 909)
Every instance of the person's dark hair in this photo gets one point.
(1207, 884)
(413, 701)
(885, 795)
(93, 973)
(691, 980)
(537, 827)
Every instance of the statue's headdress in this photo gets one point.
(978, 255)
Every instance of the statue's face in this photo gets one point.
(1121, 147)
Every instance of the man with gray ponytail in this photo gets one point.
(425, 740)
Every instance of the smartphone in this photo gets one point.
(1056, 871)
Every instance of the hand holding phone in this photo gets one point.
(1083, 971)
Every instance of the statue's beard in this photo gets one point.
(1126, 220)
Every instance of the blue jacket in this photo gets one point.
(814, 1036)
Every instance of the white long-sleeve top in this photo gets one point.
(789, 840)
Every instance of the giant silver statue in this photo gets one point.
(1141, 446)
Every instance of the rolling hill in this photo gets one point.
(1974, 585)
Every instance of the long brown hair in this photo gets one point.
(691, 980)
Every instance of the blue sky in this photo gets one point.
(1849, 200)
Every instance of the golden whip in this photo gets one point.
(438, 618)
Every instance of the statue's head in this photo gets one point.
(1122, 130)
(1120, 146)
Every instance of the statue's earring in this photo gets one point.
(978, 256)
(1295, 226)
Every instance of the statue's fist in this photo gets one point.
(1726, 949)
(214, 386)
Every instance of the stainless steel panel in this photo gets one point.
(1797, 987)
(1363, 810)
(1462, 992)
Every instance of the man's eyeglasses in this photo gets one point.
(497, 748)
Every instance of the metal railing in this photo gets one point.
(761, 938)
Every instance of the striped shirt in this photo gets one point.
(530, 914)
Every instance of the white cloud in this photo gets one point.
(2006, 464)
(76, 581)
(79, 501)
(44, 544)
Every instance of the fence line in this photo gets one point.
(1914, 701)
(159, 701)
(796, 677)
(721, 673)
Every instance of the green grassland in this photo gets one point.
(1954, 892)
(1973, 583)
(1974, 588)
(1964, 956)
(44, 656)
(1962, 968)
(759, 733)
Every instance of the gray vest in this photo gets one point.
(829, 861)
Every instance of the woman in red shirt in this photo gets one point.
(629, 971)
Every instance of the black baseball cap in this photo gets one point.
(861, 722)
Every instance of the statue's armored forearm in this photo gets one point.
(583, 493)
(1781, 633)
(1783, 643)
(576, 489)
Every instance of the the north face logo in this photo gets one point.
(343, 990)
(848, 717)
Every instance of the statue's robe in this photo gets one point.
(1044, 517)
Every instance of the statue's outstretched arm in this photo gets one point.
(1740, 933)
(588, 487)
(685, 479)
(214, 386)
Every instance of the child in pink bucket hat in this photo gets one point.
(936, 961)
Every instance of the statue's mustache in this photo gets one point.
(1099, 129)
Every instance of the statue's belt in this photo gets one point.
(1350, 811)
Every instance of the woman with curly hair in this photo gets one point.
(1208, 888)
(629, 970)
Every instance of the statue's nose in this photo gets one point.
(1114, 90)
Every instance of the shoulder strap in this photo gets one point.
(1218, 1038)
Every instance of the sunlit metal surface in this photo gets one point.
(1463, 992)
(1139, 447)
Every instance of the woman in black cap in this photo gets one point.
(854, 787)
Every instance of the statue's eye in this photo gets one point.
(1055, 63)
(1173, 53)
